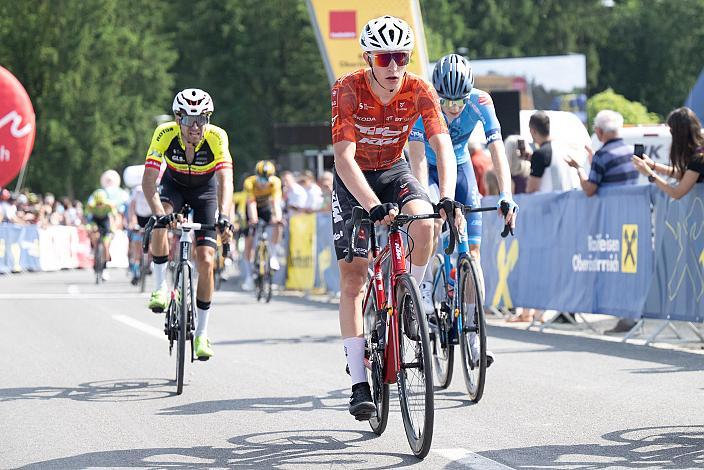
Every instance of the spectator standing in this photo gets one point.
(325, 183)
(686, 155)
(481, 163)
(611, 164)
(549, 170)
(518, 154)
(294, 194)
(314, 195)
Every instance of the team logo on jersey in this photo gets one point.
(381, 135)
(485, 99)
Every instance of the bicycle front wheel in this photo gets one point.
(143, 270)
(98, 261)
(472, 329)
(415, 379)
(374, 335)
(440, 324)
(182, 323)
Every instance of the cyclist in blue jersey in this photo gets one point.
(463, 106)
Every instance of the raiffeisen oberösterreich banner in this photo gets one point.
(16, 127)
(337, 24)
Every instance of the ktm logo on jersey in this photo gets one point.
(382, 131)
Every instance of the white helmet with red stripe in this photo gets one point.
(386, 34)
(192, 101)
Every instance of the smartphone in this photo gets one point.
(521, 145)
(638, 150)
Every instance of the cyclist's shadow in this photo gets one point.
(103, 391)
(303, 448)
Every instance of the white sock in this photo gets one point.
(428, 276)
(418, 272)
(246, 269)
(160, 276)
(354, 351)
(202, 327)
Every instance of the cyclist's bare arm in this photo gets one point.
(149, 188)
(225, 189)
(419, 164)
(252, 210)
(351, 175)
(276, 209)
(503, 173)
(447, 164)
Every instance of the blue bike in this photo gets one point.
(458, 315)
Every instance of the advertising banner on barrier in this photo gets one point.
(337, 24)
(572, 253)
(677, 288)
(327, 274)
(301, 255)
(58, 247)
(10, 250)
(29, 248)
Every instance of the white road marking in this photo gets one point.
(471, 460)
(94, 296)
(143, 327)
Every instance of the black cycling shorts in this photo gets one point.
(263, 213)
(103, 224)
(396, 185)
(203, 201)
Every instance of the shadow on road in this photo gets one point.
(276, 341)
(650, 447)
(301, 448)
(675, 361)
(102, 391)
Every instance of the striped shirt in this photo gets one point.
(612, 165)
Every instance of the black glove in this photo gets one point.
(223, 222)
(165, 220)
(378, 212)
(449, 206)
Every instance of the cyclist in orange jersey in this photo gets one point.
(373, 111)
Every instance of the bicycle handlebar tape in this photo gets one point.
(504, 210)
(448, 205)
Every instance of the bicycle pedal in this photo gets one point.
(363, 417)
(203, 358)
(157, 310)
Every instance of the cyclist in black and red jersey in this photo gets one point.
(373, 111)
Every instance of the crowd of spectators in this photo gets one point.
(304, 195)
(27, 208)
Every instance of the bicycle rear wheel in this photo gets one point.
(266, 285)
(182, 296)
(415, 379)
(472, 329)
(217, 271)
(440, 325)
(373, 335)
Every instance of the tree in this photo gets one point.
(96, 77)
(632, 111)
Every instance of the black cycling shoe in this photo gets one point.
(361, 405)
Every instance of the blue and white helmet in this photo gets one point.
(385, 34)
(452, 77)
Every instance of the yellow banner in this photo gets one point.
(301, 252)
(337, 24)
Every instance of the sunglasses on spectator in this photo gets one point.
(451, 103)
(383, 59)
(201, 120)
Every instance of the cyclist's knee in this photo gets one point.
(206, 256)
(353, 276)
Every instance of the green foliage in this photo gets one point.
(632, 111)
(98, 71)
(96, 78)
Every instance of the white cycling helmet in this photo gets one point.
(386, 33)
(192, 101)
(452, 77)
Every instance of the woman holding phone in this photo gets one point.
(686, 155)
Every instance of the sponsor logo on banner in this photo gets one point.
(343, 24)
(506, 260)
(629, 248)
(16, 127)
(602, 255)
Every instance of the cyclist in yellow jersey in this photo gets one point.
(195, 151)
(102, 213)
(263, 191)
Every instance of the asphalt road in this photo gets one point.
(86, 382)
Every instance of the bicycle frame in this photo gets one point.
(463, 252)
(392, 363)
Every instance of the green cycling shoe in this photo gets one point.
(158, 301)
(202, 347)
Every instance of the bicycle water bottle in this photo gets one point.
(451, 283)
